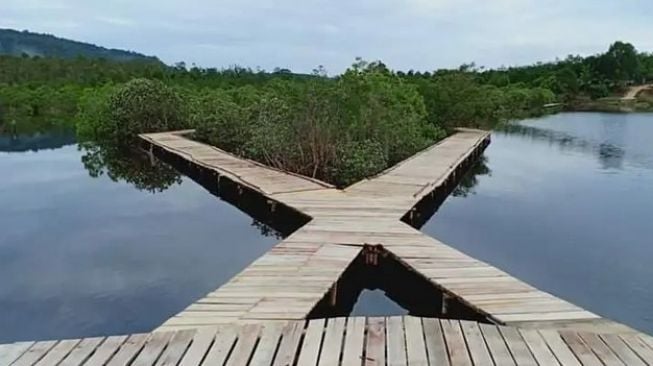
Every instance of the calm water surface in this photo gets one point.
(83, 256)
(568, 207)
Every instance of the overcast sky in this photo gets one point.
(301, 34)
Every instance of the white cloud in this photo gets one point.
(419, 34)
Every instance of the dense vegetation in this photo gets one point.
(581, 77)
(339, 129)
(15, 43)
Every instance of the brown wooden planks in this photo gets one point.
(202, 340)
(82, 351)
(10, 352)
(415, 344)
(176, 348)
(456, 345)
(106, 351)
(375, 342)
(244, 349)
(267, 346)
(333, 338)
(290, 337)
(58, 353)
(310, 351)
(37, 351)
(352, 341)
(538, 347)
(222, 345)
(435, 344)
(497, 345)
(352, 353)
(518, 347)
(580, 349)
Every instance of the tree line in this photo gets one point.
(339, 129)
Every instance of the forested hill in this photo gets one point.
(17, 43)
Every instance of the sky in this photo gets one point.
(302, 34)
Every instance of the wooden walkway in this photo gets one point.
(287, 282)
(355, 341)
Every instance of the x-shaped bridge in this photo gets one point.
(289, 281)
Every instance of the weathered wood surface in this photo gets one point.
(341, 341)
(288, 281)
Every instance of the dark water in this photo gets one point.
(84, 256)
(566, 205)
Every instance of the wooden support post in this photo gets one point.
(334, 294)
(445, 303)
(150, 155)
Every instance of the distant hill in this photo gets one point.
(17, 43)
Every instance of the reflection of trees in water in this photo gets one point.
(129, 165)
(37, 141)
(611, 156)
(143, 171)
(470, 180)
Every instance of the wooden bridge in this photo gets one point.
(259, 316)
(359, 341)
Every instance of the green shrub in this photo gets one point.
(139, 106)
(357, 160)
(219, 121)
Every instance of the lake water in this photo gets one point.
(563, 202)
(567, 206)
(83, 256)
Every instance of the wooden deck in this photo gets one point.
(341, 341)
(287, 282)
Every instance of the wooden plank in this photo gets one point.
(176, 348)
(415, 346)
(352, 353)
(37, 351)
(58, 353)
(310, 350)
(496, 345)
(580, 349)
(106, 351)
(152, 349)
(82, 351)
(267, 346)
(290, 337)
(202, 340)
(647, 339)
(10, 352)
(625, 354)
(435, 345)
(559, 348)
(375, 342)
(456, 346)
(332, 347)
(129, 350)
(476, 344)
(395, 341)
(221, 348)
(244, 349)
(538, 347)
(639, 347)
(519, 349)
(600, 349)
